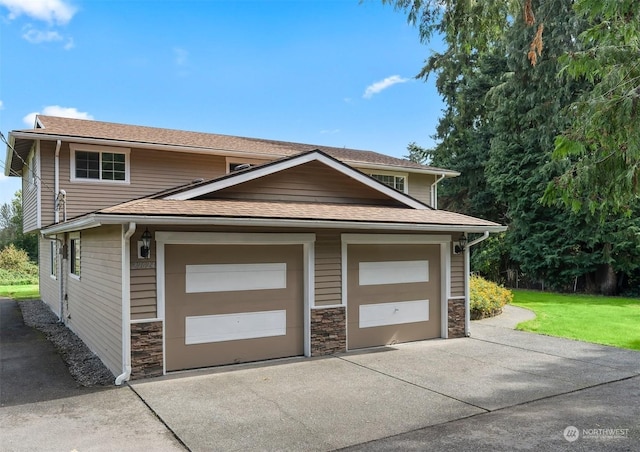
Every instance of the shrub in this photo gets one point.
(16, 268)
(487, 298)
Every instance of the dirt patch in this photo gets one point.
(84, 366)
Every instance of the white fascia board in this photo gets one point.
(143, 145)
(406, 169)
(78, 224)
(9, 155)
(291, 163)
(102, 219)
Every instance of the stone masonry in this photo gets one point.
(328, 331)
(146, 350)
(456, 318)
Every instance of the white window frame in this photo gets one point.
(53, 259)
(404, 176)
(72, 254)
(75, 147)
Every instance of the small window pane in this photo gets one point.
(113, 166)
(75, 256)
(396, 182)
(87, 165)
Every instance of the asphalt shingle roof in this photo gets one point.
(293, 210)
(81, 128)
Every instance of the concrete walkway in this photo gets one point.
(510, 318)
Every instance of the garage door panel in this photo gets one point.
(406, 307)
(232, 352)
(214, 324)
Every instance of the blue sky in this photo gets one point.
(335, 73)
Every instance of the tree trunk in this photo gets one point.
(606, 280)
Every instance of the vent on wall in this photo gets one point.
(233, 167)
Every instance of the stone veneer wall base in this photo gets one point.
(456, 318)
(328, 331)
(146, 350)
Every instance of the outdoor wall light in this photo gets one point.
(146, 244)
(462, 243)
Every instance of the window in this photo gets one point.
(392, 180)
(99, 164)
(74, 254)
(54, 259)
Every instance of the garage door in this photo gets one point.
(232, 303)
(393, 294)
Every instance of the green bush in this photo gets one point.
(16, 268)
(487, 298)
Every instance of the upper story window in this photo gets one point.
(99, 164)
(397, 181)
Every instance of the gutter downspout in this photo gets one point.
(467, 273)
(56, 181)
(126, 305)
(434, 191)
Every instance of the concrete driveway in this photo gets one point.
(355, 398)
(499, 390)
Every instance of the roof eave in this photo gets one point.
(35, 135)
(143, 145)
(405, 169)
(8, 160)
(98, 219)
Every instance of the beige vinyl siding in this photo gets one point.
(30, 187)
(150, 172)
(47, 172)
(49, 287)
(420, 187)
(309, 182)
(95, 300)
(328, 271)
(143, 280)
(457, 275)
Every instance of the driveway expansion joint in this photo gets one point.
(412, 383)
(157, 416)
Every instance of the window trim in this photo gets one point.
(404, 176)
(75, 237)
(75, 147)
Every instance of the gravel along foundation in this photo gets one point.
(84, 366)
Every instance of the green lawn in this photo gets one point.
(25, 292)
(602, 320)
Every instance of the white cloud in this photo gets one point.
(37, 36)
(70, 44)
(1, 105)
(56, 110)
(181, 56)
(377, 87)
(51, 11)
